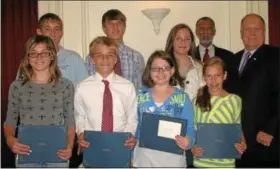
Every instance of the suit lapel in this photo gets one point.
(239, 58)
(216, 51)
(251, 62)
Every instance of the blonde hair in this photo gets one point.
(101, 40)
(25, 68)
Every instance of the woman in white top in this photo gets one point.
(181, 46)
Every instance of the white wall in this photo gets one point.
(82, 21)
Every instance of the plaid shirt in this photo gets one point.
(132, 64)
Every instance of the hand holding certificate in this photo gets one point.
(43, 147)
(197, 151)
(130, 142)
(158, 132)
(182, 142)
(82, 143)
(65, 154)
(17, 147)
(240, 147)
(217, 141)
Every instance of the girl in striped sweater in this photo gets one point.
(215, 105)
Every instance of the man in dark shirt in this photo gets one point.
(205, 31)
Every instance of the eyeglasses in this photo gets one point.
(163, 68)
(34, 55)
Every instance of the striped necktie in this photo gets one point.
(244, 61)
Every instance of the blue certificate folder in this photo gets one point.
(44, 142)
(106, 149)
(217, 140)
(149, 133)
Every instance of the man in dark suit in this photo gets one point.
(259, 89)
(205, 31)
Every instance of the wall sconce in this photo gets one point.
(156, 15)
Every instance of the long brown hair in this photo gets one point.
(203, 96)
(25, 68)
(175, 78)
(171, 36)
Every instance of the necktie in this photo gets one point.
(245, 59)
(206, 55)
(107, 113)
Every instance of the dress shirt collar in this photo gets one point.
(121, 45)
(109, 78)
(202, 48)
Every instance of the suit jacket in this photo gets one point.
(259, 90)
(230, 61)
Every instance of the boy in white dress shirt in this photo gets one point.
(89, 94)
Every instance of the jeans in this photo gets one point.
(42, 165)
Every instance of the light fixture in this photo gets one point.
(156, 15)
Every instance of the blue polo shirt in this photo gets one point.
(71, 65)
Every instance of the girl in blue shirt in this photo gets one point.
(162, 97)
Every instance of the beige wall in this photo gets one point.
(82, 21)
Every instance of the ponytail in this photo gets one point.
(203, 99)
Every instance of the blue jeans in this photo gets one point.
(42, 165)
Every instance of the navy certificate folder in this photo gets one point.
(149, 133)
(44, 141)
(217, 140)
(106, 150)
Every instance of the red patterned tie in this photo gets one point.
(117, 68)
(206, 56)
(107, 114)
